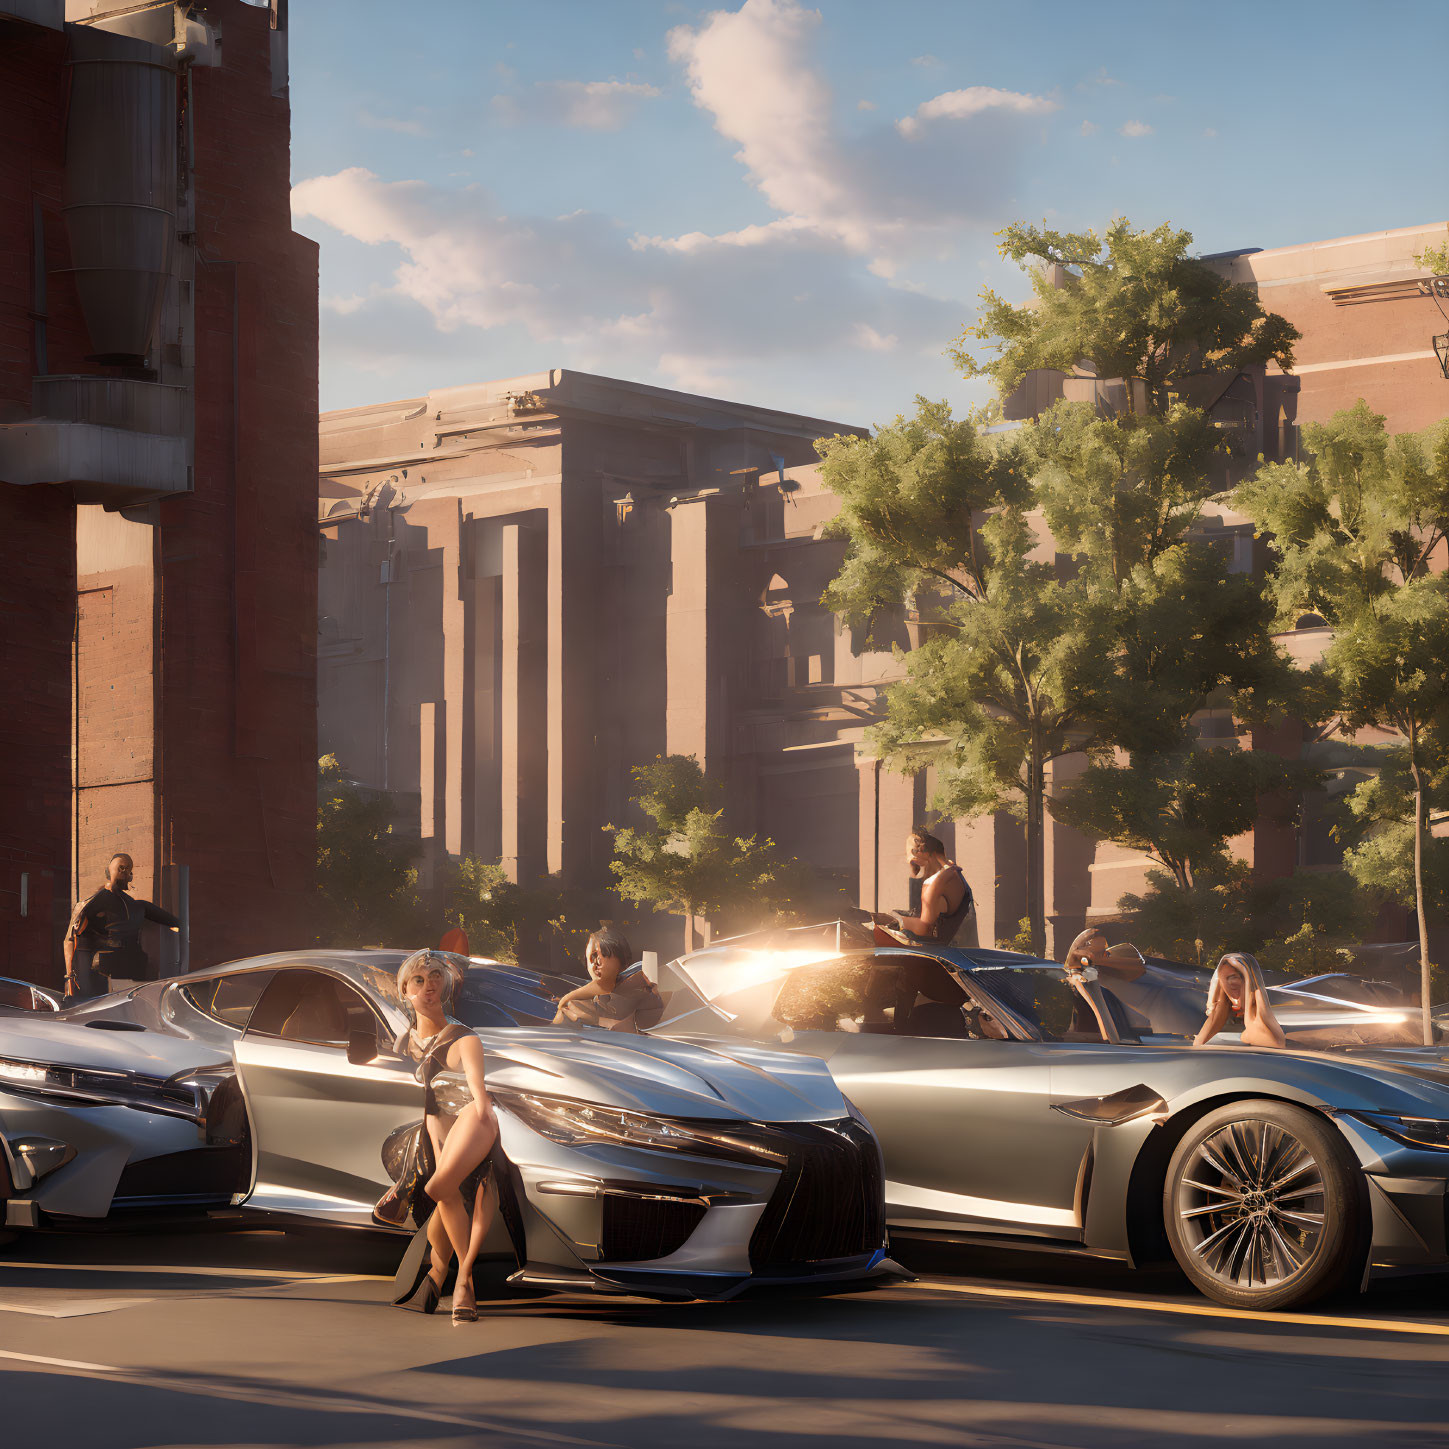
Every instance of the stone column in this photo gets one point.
(692, 683)
(525, 768)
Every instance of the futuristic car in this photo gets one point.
(1018, 1104)
(639, 1166)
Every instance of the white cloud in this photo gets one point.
(1090, 128)
(958, 105)
(1101, 78)
(1209, 132)
(402, 126)
(1135, 129)
(865, 105)
(869, 338)
(691, 309)
(948, 166)
(926, 62)
(584, 105)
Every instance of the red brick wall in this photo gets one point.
(224, 717)
(37, 529)
(239, 558)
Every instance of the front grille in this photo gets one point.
(636, 1230)
(829, 1201)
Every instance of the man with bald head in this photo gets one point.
(104, 938)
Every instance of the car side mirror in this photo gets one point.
(361, 1047)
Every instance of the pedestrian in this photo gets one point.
(104, 936)
(462, 1135)
(941, 900)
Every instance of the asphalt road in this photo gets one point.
(251, 1338)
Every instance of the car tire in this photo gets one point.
(1265, 1206)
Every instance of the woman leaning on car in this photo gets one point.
(463, 1134)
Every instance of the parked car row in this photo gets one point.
(799, 1098)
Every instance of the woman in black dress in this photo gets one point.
(462, 1128)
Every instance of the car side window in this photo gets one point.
(1042, 996)
(311, 1006)
(228, 999)
(893, 995)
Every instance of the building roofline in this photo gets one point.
(567, 389)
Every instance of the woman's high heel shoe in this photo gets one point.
(413, 1269)
(425, 1297)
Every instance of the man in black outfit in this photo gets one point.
(104, 938)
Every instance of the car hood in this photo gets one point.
(700, 1078)
(72, 1044)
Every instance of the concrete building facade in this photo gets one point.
(158, 383)
(553, 578)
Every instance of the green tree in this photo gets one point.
(688, 860)
(1133, 304)
(1298, 925)
(366, 886)
(1434, 259)
(1182, 809)
(509, 921)
(1108, 629)
(1353, 530)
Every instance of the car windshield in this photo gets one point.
(1043, 997)
(1161, 1002)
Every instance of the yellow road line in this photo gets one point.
(1191, 1310)
(70, 1363)
(179, 1270)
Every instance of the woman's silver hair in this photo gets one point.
(429, 960)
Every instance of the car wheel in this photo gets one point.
(1264, 1206)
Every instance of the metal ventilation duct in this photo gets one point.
(120, 177)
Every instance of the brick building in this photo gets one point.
(549, 579)
(158, 382)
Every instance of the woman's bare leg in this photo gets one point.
(484, 1205)
(468, 1142)
(438, 1240)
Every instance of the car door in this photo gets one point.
(965, 1122)
(318, 1121)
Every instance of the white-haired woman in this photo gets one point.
(463, 1132)
(1238, 997)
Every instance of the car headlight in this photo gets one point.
(573, 1123)
(1415, 1131)
(94, 1087)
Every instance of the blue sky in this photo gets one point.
(794, 205)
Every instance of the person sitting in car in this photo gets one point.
(1238, 999)
(619, 997)
(1152, 1001)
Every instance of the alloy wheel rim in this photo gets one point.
(1251, 1205)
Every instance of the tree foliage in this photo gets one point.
(1353, 530)
(1080, 614)
(1133, 304)
(513, 922)
(688, 860)
(1298, 925)
(1181, 809)
(366, 886)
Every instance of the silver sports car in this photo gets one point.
(636, 1165)
(1020, 1105)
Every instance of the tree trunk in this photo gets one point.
(1036, 849)
(688, 932)
(1426, 1002)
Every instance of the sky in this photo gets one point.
(795, 206)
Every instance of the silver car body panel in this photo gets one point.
(973, 1132)
(621, 1215)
